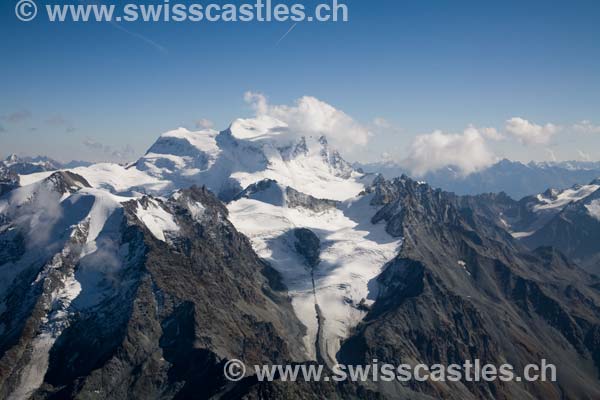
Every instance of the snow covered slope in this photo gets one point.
(353, 252)
(555, 199)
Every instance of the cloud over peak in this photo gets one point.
(311, 116)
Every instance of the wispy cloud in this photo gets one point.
(58, 121)
(17, 116)
(204, 123)
(586, 126)
(584, 156)
(162, 49)
(551, 154)
(383, 126)
(136, 35)
(286, 33)
(124, 153)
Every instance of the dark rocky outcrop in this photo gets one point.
(307, 245)
(461, 289)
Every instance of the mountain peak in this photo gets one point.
(249, 151)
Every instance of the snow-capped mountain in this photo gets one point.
(137, 282)
(250, 151)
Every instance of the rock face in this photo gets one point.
(575, 231)
(8, 180)
(271, 192)
(308, 245)
(462, 288)
(568, 220)
(148, 317)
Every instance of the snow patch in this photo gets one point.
(156, 218)
(463, 265)
(117, 179)
(519, 235)
(559, 200)
(594, 209)
(25, 180)
(261, 127)
(196, 209)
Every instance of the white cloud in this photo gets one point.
(467, 151)
(529, 133)
(204, 123)
(311, 116)
(491, 133)
(586, 126)
(258, 101)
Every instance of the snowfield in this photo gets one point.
(565, 197)
(353, 253)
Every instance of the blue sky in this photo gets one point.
(420, 65)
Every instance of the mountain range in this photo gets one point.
(143, 280)
(511, 177)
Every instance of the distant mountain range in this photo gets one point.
(30, 165)
(13, 166)
(511, 177)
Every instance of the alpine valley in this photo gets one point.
(141, 281)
